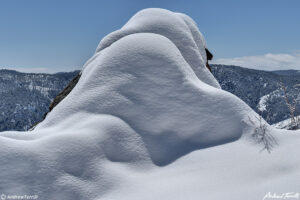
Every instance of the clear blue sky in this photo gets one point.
(63, 34)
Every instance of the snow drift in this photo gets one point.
(139, 123)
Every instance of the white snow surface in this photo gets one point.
(177, 27)
(148, 121)
(262, 103)
(284, 124)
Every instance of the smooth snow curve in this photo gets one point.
(177, 27)
(143, 80)
(144, 101)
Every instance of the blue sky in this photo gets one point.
(60, 35)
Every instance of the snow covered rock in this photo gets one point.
(144, 102)
(177, 27)
(143, 79)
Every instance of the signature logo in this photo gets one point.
(12, 197)
(287, 195)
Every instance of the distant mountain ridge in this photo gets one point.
(289, 72)
(261, 89)
(25, 97)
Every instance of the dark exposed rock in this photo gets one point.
(60, 96)
(64, 92)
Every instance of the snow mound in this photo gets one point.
(143, 80)
(177, 27)
(143, 102)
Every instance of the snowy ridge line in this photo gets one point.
(263, 100)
